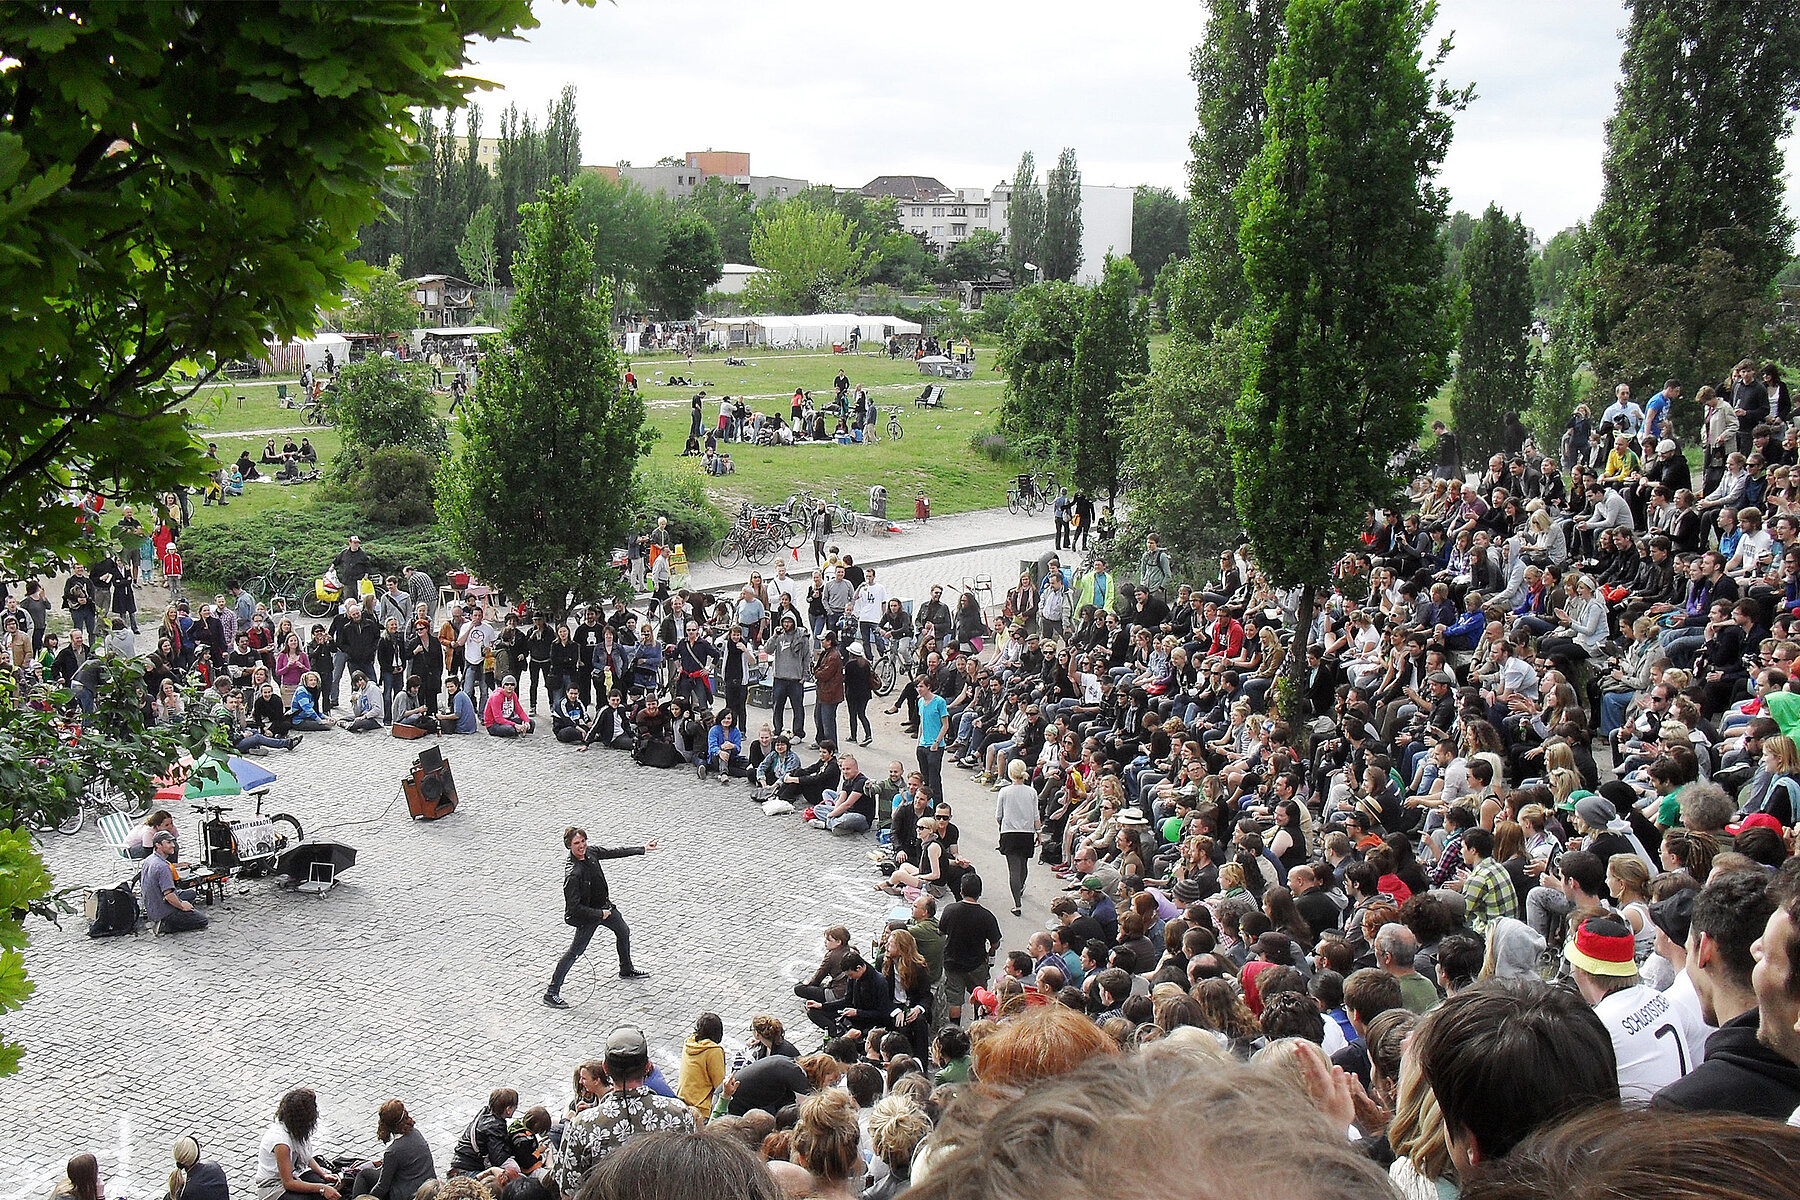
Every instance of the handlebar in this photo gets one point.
(217, 810)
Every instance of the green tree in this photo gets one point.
(729, 210)
(549, 411)
(1229, 67)
(1554, 266)
(976, 256)
(1159, 228)
(478, 252)
(1493, 373)
(378, 404)
(1693, 175)
(1037, 357)
(809, 258)
(690, 265)
(1455, 235)
(1060, 249)
(627, 226)
(1172, 434)
(182, 183)
(1112, 355)
(1346, 336)
(382, 305)
(1024, 223)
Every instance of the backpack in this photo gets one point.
(112, 912)
(653, 753)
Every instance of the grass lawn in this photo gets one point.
(934, 456)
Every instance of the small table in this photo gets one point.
(208, 881)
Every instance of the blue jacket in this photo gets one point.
(306, 708)
(720, 736)
(463, 710)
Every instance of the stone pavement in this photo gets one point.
(419, 975)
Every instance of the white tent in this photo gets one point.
(806, 332)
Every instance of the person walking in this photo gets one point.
(858, 688)
(1016, 811)
(587, 905)
(934, 724)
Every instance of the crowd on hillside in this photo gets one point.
(1513, 914)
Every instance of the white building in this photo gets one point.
(1105, 224)
(734, 278)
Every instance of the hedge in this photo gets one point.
(306, 539)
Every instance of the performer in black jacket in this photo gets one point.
(587, 905)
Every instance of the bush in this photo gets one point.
(305, 539)
(993, 445)
(396, 486)
(679, 493)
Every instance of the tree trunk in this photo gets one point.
(1294, 669)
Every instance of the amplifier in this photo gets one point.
(430, 791)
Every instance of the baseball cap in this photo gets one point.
(1755, 821)
(1674, 914)
(1602, 946)
(160, 838)
(626, 1043)
(1093, 883)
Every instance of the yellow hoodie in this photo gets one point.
(702, 1074)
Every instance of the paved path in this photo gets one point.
(419, 975)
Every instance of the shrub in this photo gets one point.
(679, 493)
(377, 403)
(992, 444)
(305, 539)
(396, 486)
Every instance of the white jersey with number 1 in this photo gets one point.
(1648, 1041)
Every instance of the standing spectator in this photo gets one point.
(828, 689)
(971, 936)
(78, 599)
(859, 688)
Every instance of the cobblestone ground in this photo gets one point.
(419, 975)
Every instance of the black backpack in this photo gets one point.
(112, 912)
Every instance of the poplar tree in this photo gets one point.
(1060, 249)
(1346, 334)
(1024, 221)
(1493, 375)
(1112, 353)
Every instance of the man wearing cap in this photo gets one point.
(587, 905)
(1648, 1042)
(505, 715)
(1740, 1072)
(351, 565)
(171, 909)
(627, 1111)
(1673, 918)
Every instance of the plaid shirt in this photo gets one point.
(1488, 895)
(1448, 861)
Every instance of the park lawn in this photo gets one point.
(934, 456)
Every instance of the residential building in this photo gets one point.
(1105, 224)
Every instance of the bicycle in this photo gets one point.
(1022, 496)
(276, 586)
(98, 799)
(894, 430)
(890, 667)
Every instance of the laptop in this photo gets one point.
(320, 878)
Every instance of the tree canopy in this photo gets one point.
(183, 182)
(1493, 360)
(809, 257)
(1112, 354)
(1059, 250)
(1037, 357)
(1346, 333)
(381, 304)
(549, 410)
(1024, 221)
(1159, 228)
(689, 266)
(1691, 205)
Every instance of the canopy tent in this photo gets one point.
(807, 332)
(423, 339)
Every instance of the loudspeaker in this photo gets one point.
(430, 794)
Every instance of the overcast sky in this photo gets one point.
(841, 93)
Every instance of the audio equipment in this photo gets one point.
(430, 791)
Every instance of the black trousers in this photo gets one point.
(584, 934)
(859, 714)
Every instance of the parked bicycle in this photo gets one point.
(1023, 495)
(895, 431)
(98, 799)
(279, 587)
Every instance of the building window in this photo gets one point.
(959, 231)
(981, 214)
(959, 212)
(937, 231)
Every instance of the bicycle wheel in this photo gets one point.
(1012, 502)
(884, 675)
(75, 820)
(728, 554)
(796, 535)
(294, 833)
(895, 432)
(310, 605)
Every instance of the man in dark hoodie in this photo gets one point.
(1740, 1072)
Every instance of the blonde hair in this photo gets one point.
(1787, 758)
(1417, 1130)
(1563, 783)
(1231, 875)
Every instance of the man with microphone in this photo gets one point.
(587, 905)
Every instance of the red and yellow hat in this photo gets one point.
(1602, 946)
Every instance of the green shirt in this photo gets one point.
(954, 1071)
(1668, 813)
(1418, 993)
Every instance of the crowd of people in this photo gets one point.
(845, 420)
(1512, 914)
